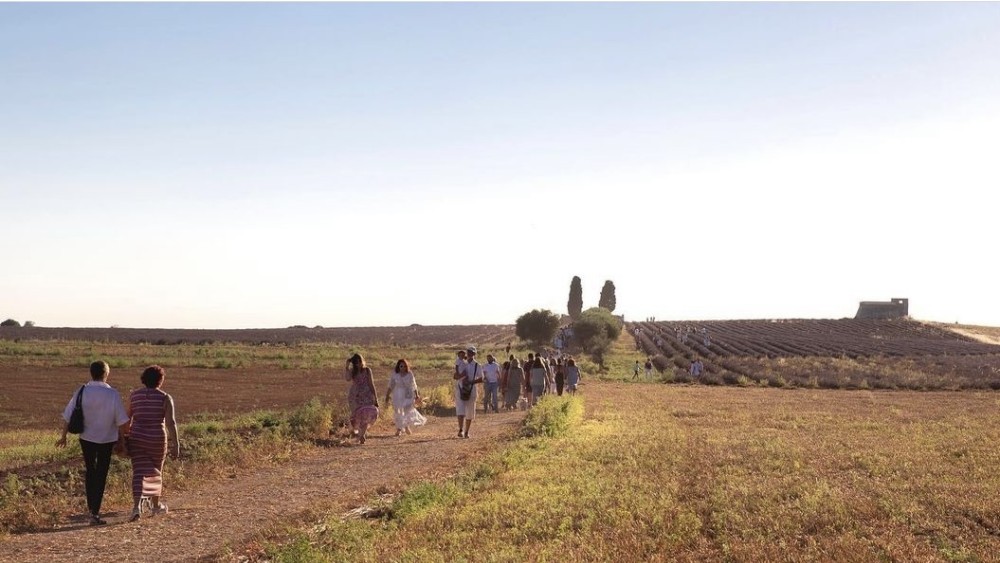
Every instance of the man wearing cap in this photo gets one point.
(471, 373)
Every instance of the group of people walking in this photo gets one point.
(521, 382)
(145, 431)
(503, 386)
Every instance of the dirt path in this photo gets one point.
(209, 524)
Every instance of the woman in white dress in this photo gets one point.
(404, 394)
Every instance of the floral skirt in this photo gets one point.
(364, 416)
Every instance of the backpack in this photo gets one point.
(465, 388)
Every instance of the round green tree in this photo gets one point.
(537, 327)
(596, 330)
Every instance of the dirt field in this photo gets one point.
(33, 398)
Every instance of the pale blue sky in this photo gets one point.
(252, 165)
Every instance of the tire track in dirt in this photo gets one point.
(213, 523)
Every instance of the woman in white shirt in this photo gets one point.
(404, 394)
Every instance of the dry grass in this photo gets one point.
(705, 473)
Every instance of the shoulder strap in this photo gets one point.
(79, 397)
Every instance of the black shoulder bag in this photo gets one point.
(76, 419)
(465, 389)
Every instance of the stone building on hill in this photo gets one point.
(895, 308)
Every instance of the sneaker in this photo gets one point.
(160, 508)
(96, 520)
(459, 433)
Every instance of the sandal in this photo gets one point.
(160, 508)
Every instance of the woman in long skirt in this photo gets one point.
(404, 394)
(151, 412)
(361, 397)
(515, 381)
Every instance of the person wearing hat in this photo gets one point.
(466, 374)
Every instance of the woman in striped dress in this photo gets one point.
(152, 414)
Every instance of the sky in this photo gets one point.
(360, 164)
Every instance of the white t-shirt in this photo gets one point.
(103, 412)
(491, 372)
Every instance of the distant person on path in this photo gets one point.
(466, 377)
(504, 373)
(649, 369)
(560, 376)
(507, 351)
(460, 363)
(572, 376)
(539, 377)
(153, 432)
(513, 384)
(491, 384)
(704, 337)
(635, 374)
(104, 425)
(550, 375)
(362, 399)
(404, 394)
(696, 368)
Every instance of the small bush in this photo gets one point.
(710, 379)
(553, 416)
(438, 399)
(310, 420)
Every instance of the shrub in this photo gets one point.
(438, 399)
(537, 326)
(10, 322)
(710, 379)
(310, 420)
(553, 415)
(776, 381)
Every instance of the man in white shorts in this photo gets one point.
(468, 373)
